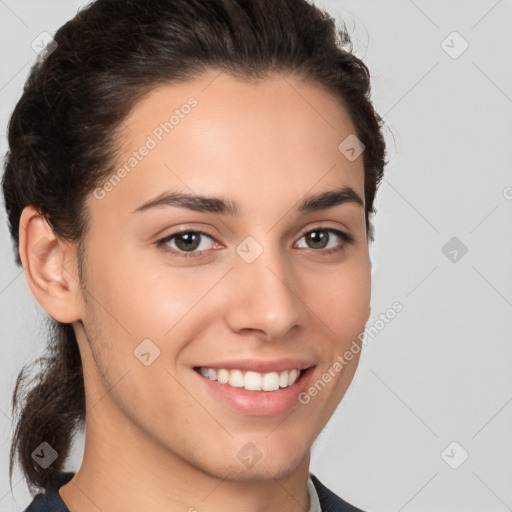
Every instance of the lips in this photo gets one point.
(245, 396)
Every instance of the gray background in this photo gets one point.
(439, 372)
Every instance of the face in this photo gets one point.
(248, 287)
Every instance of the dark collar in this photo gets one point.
(329, 501)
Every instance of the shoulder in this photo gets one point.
(329, 501)
(50, 500)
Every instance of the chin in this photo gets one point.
(274, 464)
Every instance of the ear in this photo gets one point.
(50, 267)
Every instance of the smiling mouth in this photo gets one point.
(252, 381)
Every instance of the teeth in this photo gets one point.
(292, 376)
(236, 378)
(222, 376)
(270, 381)
(252, 381)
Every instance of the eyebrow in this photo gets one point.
(321, 201)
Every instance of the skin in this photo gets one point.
(154, 439)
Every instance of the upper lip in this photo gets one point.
(261, 366)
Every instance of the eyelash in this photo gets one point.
(345, 237)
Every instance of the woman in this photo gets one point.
(189, 186)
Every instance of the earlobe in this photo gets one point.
(50, 267)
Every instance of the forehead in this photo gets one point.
(218, 134)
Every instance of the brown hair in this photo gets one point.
(63, 138)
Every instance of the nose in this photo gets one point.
(263, 296)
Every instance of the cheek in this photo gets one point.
(144, 295)
(341, 299)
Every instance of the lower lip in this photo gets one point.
(258, 403)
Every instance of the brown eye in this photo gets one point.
(319, 238)
(187, 242)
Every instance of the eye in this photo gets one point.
(320, 238)
(187, 242)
